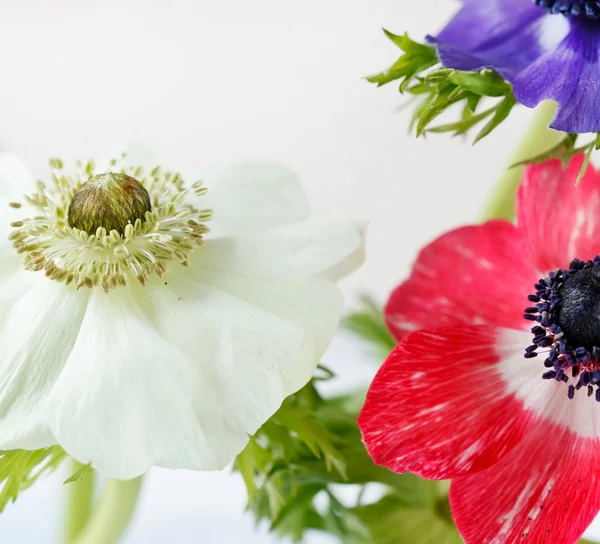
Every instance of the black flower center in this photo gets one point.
(579, 311)
(572, 8)
(567, 312)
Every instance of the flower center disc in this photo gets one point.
(579, 311)
(589, 9)
(567, 312)
(110, 201)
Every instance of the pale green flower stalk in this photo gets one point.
(537, 139)
(79, 503)
(106, 521)
(112, 514)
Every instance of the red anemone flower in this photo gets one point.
(495, 383)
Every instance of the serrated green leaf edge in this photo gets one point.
(20, 469)
(80, 474)
(420, 73)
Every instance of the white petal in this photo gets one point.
(124, 399)
(253, 196)
(331, 250)
(39, 321)
(15, 178)
(552, 30)
(353, 258)
(252, 343)
(546, 399)
(15, 181)
(10, 260)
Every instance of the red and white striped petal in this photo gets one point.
(452, 401)
(545, 491)
(471, 275)
(559, 221)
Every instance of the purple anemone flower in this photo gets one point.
(548, 49)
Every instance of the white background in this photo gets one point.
(201, 81)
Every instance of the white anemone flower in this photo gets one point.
(133, 335)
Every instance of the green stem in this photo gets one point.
(538, 139)
(112, 514)
(79, 503)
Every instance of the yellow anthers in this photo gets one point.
(56, 164)
(104, 230)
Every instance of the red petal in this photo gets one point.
(559, 221)
(471, 275)
(449, 401)
(546, 490)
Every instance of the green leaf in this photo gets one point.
(288, 514)
(82, 473)
(449, 87)
(446, 96)
(245, 464)
(463, 126)
(411, 47)
(438, 89)
(586, 163)
(559, 150)
(314, 435)
(414, 491)
(437, 76)
(473, 101)
(565, 150)
(391, 523)
(310, 448)
(504, 108)
(368, 323)
(19, 469)
(484, 83)
(416, 58)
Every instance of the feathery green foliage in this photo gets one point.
(20, 469)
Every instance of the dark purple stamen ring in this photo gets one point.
(572, 8)
(570, 354)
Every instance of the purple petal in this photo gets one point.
(499, 34)
(570, 75)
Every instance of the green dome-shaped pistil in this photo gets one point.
(110, 201)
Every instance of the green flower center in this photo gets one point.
(110, 201)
